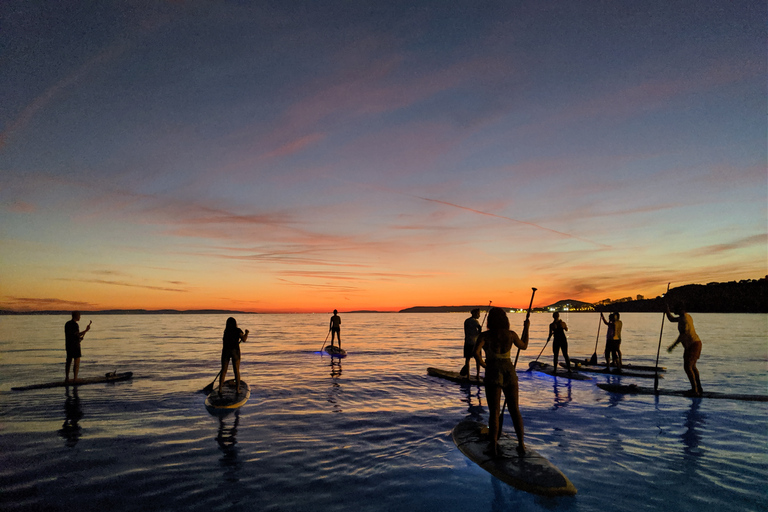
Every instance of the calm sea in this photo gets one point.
(371, 432)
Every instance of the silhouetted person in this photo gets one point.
(692, 344)
(233, 335)
(472, 329)
(560, 342)
(612, 340)
(336, 327)
(72, 339)
(500, 374)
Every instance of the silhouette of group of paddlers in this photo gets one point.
(496, 341)
(230, 350)
(500, 376)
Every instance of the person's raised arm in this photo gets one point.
(670, 317)
(522, 341)
(87, 328)
(603, 319)
(244, 336)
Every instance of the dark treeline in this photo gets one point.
(748, 296)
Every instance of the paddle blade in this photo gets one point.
(593, 359)
(464, 371)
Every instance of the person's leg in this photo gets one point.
(236, 368)
(565, 356)
(556, 350)
(618, 356)
(224, 366)
(493, 395)
(511, 395)
(75, 369)
(69, 364)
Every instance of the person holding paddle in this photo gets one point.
(692, 344)
(472, 329)
(500, 374)
(233, 335)
(336, 327)
(72, 339)
(557, 329)
(612, 340)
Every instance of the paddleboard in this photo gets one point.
(624, 372)
(638, 390)
(335, 351)
(531, 473)
(455, 376)
(108, 377)
(633, 367)
(228, 399)
(549, 370)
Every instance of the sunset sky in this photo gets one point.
(302, 156)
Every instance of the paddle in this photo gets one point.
(593, 359)
(501, 412)
(527, 316)
(464, 372)
(207, 389)
(656, 371)
(326, 340)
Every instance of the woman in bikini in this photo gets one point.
(500, 373)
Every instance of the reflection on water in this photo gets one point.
(335, 367)
(335, 389)
(71, 431)
(476, 411)
(227, 440)
(562, 399)
(694, 420)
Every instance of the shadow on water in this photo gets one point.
(71, 431)
(227, 441)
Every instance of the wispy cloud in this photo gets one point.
(126, 284)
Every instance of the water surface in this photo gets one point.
(372, 431)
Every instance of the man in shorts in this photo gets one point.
(692, 344)
(472, 329)
(560, 343)
(72, 339)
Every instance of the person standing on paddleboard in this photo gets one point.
(472, 330)
(72, 339)
(233, 335)
(612, 340)
(560, 343)
(692, 344)
(336, 327)
(500, 374)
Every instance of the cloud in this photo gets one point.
(124, 283)
(43, 304)
(742, 243)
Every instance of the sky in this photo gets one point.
(291, 156)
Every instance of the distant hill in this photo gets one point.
(572, 305)
(444, 309)
(747, 296)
